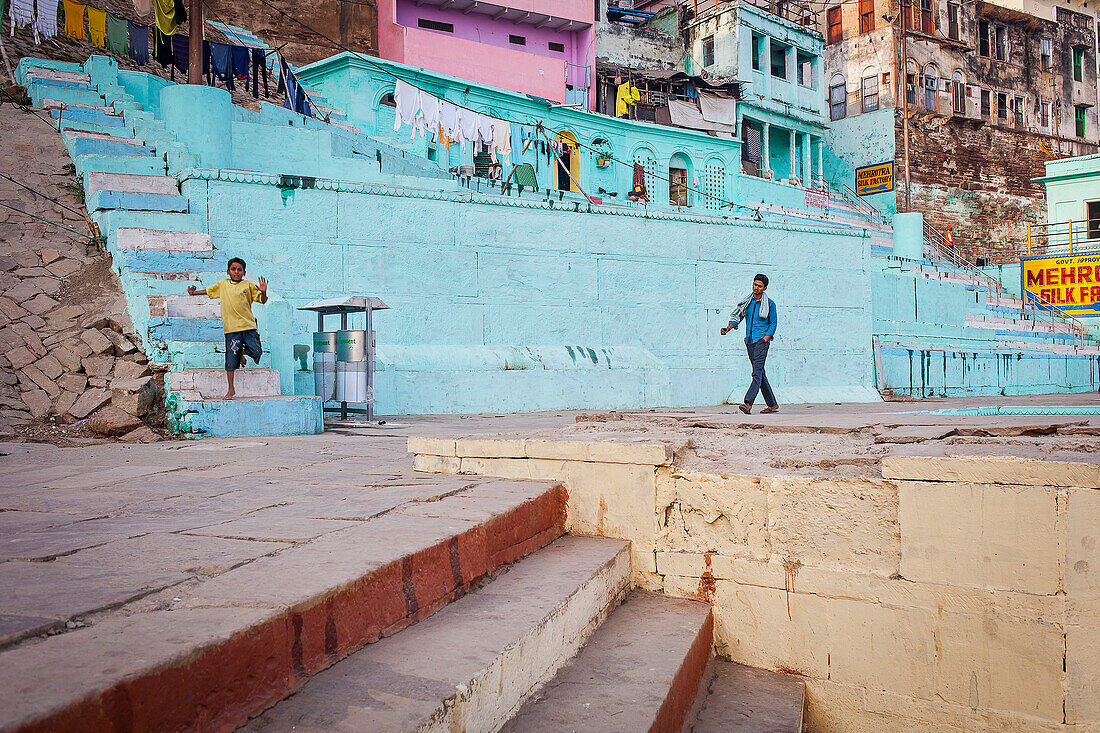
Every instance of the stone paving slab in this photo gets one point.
(64, 592)
(271, 529)
(176, 553)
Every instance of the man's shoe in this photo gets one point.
(768, 410)
(745, 407)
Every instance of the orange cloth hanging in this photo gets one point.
(74, 19)
(97, 27)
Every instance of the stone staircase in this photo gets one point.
(468, 611)
(159, 248)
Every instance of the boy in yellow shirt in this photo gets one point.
(237, 296)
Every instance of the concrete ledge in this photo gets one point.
(652, 454)
(979, 469)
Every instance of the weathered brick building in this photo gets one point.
(991, 92)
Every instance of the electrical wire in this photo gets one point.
(724, 202)
(35, 191)
(51, 223)
(11, 100)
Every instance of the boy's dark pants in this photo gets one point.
(758, 352)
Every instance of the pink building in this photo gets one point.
(540, 47)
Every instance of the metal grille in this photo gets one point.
(714, 186)
(649, 163)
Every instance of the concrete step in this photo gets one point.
(229, 646)
(138, 238)
(127, 201)
(640, 671)
(469, 667)
(197, 354)
(188, 306)
(125, 183)
(186, 329)
(740, 699)
(41, 73)
(198, 385)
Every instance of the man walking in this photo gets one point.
(758, 312)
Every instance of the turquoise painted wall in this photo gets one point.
(1070, 183)
(516, 303)
(853, 142)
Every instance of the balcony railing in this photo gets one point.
(800, 13)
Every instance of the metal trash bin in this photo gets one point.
(343, 361)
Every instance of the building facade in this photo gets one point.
(540, 47)
(989, 93)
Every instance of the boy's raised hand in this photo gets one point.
(191, 290)
(262, 284)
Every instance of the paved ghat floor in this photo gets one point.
(94, 532)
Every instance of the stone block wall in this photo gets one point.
(952, 594)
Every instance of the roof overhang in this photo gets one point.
(503, 12)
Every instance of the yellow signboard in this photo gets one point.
(1071, 282)
(875, 178)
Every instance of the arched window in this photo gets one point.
(648, 160)
(931, 79)
(838, 98)
(680, 176)
(958, 92)
(911, 73)
(869, 89)
(714, 184)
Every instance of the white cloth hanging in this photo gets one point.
(468, 123)
(502, 139)
(448, 118)
(407, 99)
(428, 121)
(485, 129)
(21, 13)
(143, 7)
(46, 22)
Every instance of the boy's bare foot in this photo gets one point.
(229, 395)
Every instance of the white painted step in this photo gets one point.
(100, 137)
(155, 239)
(191, 306)
(470, 666)
(210, 384)
(39, 72)
(56, 104)
(640, 671)
(128, 183)
(740, 699)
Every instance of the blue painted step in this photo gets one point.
(284, 415)
(136, 201)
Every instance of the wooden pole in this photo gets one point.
(903, 15)
(194, 51)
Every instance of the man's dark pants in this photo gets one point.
(758, 352)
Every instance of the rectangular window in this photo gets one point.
(835, 31)
(1078, 64)
(870, 93)
(987, 104)
(757, 52)
(1002, 108)
(866, 16)
(1046, 55)
(559, 47)
(927, 24)
(1001, 38)
(1044, 116)
(953, 21)
(930, 93)
(779, 60)
(1092, 210)
(518, 40)
(911, 90)
(805, 69)
(1018, 112)
(838, 101)
(1079, 120)
(958, 96)
(983, 38)
(708, 51)
(435, 25)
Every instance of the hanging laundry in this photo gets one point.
(45, 23)
(240, 60)
(118, 35)
(638, 191)
(164, 12)
(467, 123)
(21, 13)
(221, 63)
(97, 27)
(502, 139)
(407, 100)
(448, 119)
(74, 19)
(429, 112)
(181, 51)
(143, 7)
(138, 47)
(259, 66)
(485, 130)
(626, 97)
(162, 47)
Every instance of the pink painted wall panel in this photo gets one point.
(485, 64)
(573, 9)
